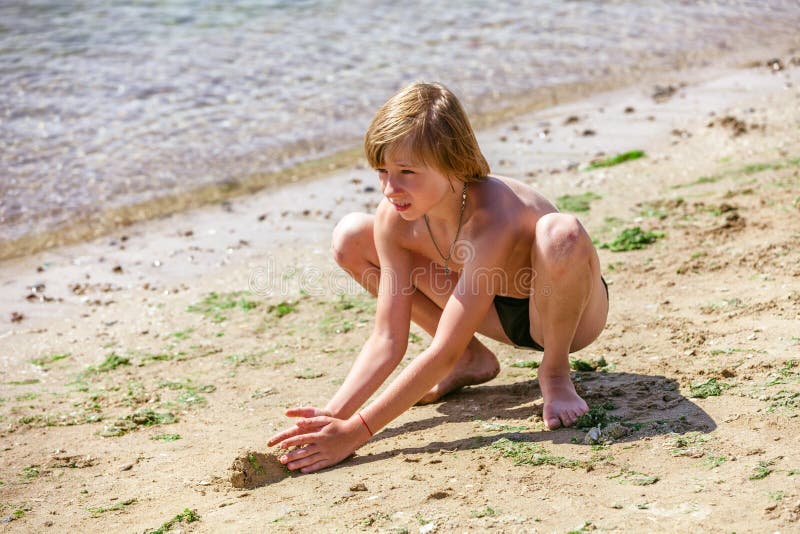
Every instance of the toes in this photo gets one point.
(429, 397)
(570, 418)
(564, 418)
(552, 422)
(573, 419)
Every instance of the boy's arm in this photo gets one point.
(329, 441)
(461, 318)
(387, 344)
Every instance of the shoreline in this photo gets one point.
(697, 365)
(691, 68)
(540, 149)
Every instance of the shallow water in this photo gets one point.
(108, 104)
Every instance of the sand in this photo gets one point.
(143, 371)
(254, 469)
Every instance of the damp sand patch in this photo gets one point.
(255, 469)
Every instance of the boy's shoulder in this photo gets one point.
(389, 222)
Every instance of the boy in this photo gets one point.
(457, 251)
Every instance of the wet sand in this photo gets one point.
(138, 367)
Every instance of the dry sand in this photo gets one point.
(140, 383)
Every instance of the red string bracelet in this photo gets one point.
(366, 425)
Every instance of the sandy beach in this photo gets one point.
(144, 371)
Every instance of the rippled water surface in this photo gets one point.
(106, 104)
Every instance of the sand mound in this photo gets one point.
(254, 469)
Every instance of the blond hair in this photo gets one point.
(427, 119)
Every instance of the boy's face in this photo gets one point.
(410, 185)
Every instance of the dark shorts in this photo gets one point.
(515, 317)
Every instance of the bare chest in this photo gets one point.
(512, 275)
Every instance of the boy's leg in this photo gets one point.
(354, 250)
(568, 309)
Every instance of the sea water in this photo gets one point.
(106, 104)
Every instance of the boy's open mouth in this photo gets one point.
(400, 206)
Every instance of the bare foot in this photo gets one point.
(562, 405)
(477, 365)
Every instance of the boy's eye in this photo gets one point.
(381, 171)
(407, 171)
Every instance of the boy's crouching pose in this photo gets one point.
(457, 251)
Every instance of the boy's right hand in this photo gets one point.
(305, 412)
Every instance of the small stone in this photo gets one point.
(663, 93)
(616, 430)
(358, 487)
(775, 65)
(126, 467)
(593, 436)
(37, 288)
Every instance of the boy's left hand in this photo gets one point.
(324, 441)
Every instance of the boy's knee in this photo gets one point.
(349, 238)
(561, 239)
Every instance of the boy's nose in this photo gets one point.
(390, 187)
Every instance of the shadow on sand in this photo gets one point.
(646, 405)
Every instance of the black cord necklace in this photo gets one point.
(458, 231)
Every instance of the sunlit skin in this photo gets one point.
(508, 229)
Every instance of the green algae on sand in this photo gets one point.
(616, 160)
(632, 239)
